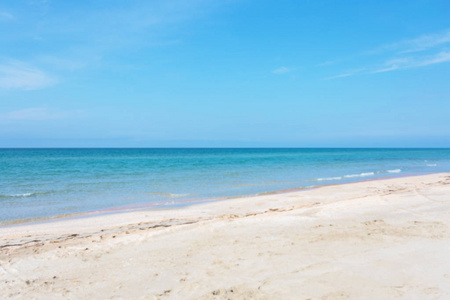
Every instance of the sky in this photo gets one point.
(225, 73)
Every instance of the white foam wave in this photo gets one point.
(431, 165)
(367, 174)
(359, 175)
(169, 195)
(329, 178)
(22, 195)
(352, 175)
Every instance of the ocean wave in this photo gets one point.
(329, 178)
(431, 165)
(367, 174)
(168, 195)
(33, 194)
(364, 174)
(360, 175)
(18, 195)
(352, 175)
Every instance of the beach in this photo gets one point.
(379, 239)
(224, 150)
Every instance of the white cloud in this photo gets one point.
(423, 42)
(39, 114)
(391, 68)
(6, 16)
(18, 75)
(327, 63)
(282, 70)
(418, 44)
(340, 76)
(107, 28)
(407, 54)
(436, 59)
(406, 63)
(346, 74)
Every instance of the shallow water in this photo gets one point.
(37, 183)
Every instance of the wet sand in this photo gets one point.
(384, 239)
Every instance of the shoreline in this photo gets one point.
(382, 239)
(151, 206)
(114, 218)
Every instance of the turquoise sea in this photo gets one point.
(42, 183)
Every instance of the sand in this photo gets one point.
(384, 239)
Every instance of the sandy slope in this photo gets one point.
(383, 239)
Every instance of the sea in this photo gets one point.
(40, 184)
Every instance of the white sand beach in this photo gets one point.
(383, 239)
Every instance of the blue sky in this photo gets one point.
(228, 73)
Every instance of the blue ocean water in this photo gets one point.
(39, 183)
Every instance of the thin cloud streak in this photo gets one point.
(425, 43)
(104, 31)
(282, 70)
(138, 24)
(347, 74)
(413, 63)
(439, 58)
(418, 44)
(18, 75)
(393, 68)
(6, 16)
(339, 76)
(327, 63)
